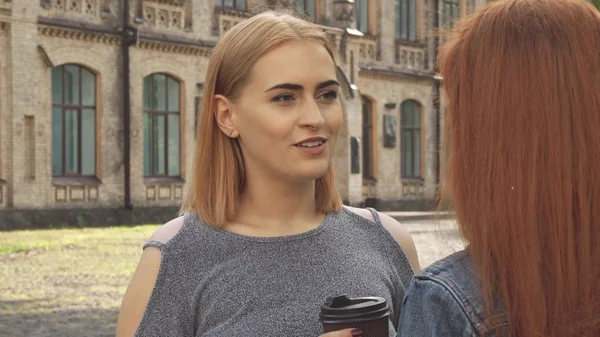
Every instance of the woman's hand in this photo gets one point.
(344, 333)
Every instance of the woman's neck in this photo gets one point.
(271, 207)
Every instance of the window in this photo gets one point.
(308, 8)
(73, 121)
(451, 12)
(161, 126)
(367, 138)
(362, 15)
(410, 142)
(354, 156)
(197, 103)
(234, 4)
(406, 20)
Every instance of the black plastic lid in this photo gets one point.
(343, 309)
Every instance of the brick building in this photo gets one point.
(98, 101)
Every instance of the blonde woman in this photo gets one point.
(264, 237)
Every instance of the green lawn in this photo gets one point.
(66, 282)
(21, 241)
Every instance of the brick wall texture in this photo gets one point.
(36, 36)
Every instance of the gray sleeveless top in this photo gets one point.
(215, 283)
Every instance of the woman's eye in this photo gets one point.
(283, 98)
(329, 95)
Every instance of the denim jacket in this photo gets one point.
(444, 300)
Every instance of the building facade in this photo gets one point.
(99, 100)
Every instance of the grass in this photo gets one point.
(66, 282)
(23, 241)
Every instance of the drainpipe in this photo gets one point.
(129, 38)
(436, 95)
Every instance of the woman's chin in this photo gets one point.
(312, 173)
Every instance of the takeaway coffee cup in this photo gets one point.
(370, 314)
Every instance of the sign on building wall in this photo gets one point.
(389, 131)
(354, 155)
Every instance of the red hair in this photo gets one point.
(522, 78)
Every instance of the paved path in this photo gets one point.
(434, 239)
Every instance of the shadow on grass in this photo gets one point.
(19, 318)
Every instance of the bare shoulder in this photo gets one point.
(142, 282)
(168, 231)
(399, 232)
(365, 213)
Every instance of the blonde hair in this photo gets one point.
(217, 177)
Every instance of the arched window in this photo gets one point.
(410, 141)
(368, 139)
(161, 126)
(308, 8)
(406, 20)
(73, 121)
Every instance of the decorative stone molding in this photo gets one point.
(174, 48)
(413, 188)
(227, 19)
(78, 35)
(367, 48)
(5, 8)
(88, 8)
(76, 193)
(163, 14)
(369, 189)
(164, 192)
(343, 13)
(179, 3)
(411, 57)
(396, 76)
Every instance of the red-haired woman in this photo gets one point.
(522, 80)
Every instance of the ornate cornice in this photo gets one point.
(178, 3)
(233, 12)
(75, 34)
(394, 75)
(174, 48)
(107, 35)
(174, 44)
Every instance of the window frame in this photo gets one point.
(414, 132)
(236, 5)
(358, 7)
(449, 21)
(403, 21)
(152, 113)
(303, 4)
(78, 108)
(368, 139)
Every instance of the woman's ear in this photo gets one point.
(224, 116)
